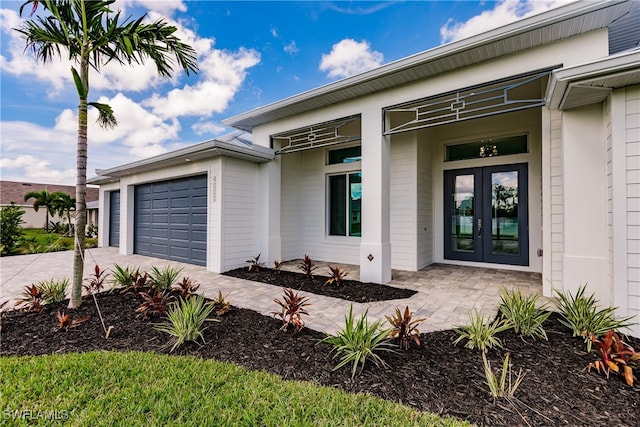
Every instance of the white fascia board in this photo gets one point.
(510, 30)
(562, 80)
(205, 150)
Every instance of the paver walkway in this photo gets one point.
(446, 293)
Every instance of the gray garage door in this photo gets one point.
(171, 219)
(114, 218)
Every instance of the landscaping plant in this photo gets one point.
(277, 265)
(155, 303)
(121, 277)
(336, 276)
(10, 231)
(480, 332)
(185, 320)
(358, 342)
(31, 299)
(254, 264)
(220, 303)
(521, 314)
(580, 313)
(186, 288)
(404, 328)
(65, 321)
(615, 355)
(498, 386)
(163, 279)
(138, 283)
(293, 307)
(307, 266)
(96, 280)
(53, 290)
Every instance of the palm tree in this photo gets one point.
(63, 204)
(42, 198)
(90, 34)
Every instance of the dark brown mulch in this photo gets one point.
(350, 290)
(437, 376)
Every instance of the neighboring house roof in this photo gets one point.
(93, 205)
(13, 191)
(554, 25)
(237, 144)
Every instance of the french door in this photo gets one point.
(486, 214)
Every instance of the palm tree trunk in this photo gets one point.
(81, 191)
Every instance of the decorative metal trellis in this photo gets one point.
(470, 103)
(318, 135)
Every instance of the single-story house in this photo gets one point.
(518, 148)
(12, 193)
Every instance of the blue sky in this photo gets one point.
(250, 54)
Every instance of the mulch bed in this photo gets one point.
(350, 290)
(437, 376)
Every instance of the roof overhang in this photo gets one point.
(228, 146)
(591, 83)
(557, 24)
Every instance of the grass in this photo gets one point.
(37, 240)
(133, 388)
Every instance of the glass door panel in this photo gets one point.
(462, 219)
(486, 216)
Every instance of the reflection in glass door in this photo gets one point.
(486, 216)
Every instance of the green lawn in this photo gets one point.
(37, 240)
(110, 388)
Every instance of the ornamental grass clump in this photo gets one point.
(498, 385)
(164, 279)
(358, 342)
(520, 313)
(185, 320)
(53, 290)
(121, 277)
(580, 314)
(480, 332)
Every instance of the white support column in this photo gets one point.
(619, 287)
(375, 246)
(546, 203)
(269, 186)
(127, 219)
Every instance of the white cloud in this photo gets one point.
(274, 32)
(291, 48)
(165, 7)
(349, 57)
(504, 12)
(223, 73)
(201, 128)
(30, 168)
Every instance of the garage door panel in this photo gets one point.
(114, 218)
(171, 218)
(199, 201)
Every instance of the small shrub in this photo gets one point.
(10, 231)
(521, 314)
(91, 231)
(404, 329)
(615, 355)
(307, 266)
(293, 307)
(254, 264)
(336, 276)
(580, 314)
(96, 280)
(138, 283)
(185, 320)
(121, 277)
(186, 287)
(278, 264)
(358, 342)
(498, 387)
(31, 299)
(164, 279)
(221, 304)
(53, 290)
(155, 303)
(480, 332)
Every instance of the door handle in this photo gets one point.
(479, 227)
